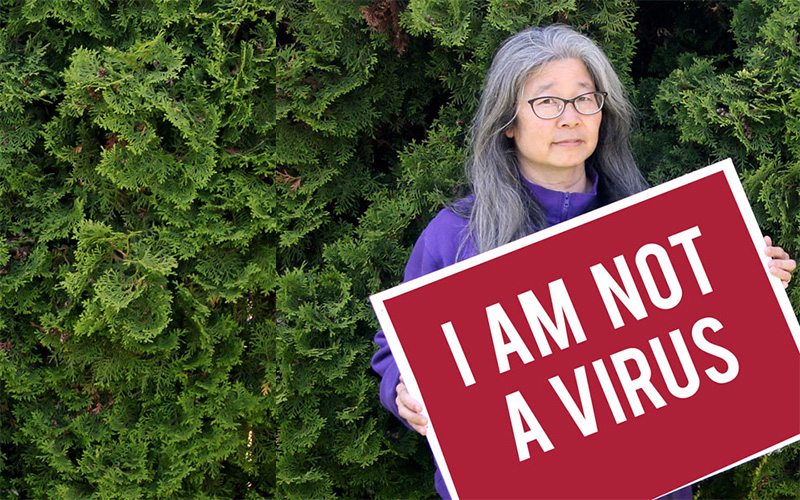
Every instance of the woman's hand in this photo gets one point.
(781, 264)
(410, 409)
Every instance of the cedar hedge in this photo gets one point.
(136, 140)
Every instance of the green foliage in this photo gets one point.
(136, 262)
(373, 102)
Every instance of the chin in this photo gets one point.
(575, 162)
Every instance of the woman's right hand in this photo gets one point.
(410, 409)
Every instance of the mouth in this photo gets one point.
(569, 142)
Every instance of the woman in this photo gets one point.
(550, 141)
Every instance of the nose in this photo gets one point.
(569, 117)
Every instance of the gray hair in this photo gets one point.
(502, 210)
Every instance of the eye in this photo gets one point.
(585, 98)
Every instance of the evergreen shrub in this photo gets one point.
(373, 100)
(136, 264)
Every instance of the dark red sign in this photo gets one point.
(623, 354)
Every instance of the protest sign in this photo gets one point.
(622, 354)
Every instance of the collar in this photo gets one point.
(559, 206)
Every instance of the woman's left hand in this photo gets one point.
(781, 264)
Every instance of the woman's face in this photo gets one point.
(551, 152)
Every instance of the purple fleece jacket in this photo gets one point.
(438, 246)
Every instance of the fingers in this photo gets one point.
(782, 269)
(776, 253)
(781, 264)
(410, 409)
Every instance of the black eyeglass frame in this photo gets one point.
(569, 101)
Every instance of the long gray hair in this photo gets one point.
(502, 210)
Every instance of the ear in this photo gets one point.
(509, 131)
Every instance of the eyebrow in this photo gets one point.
(546, 86)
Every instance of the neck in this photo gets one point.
(566, 181)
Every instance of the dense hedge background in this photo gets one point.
(135, 262)
(373, 99)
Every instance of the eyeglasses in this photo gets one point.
(549, 107)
